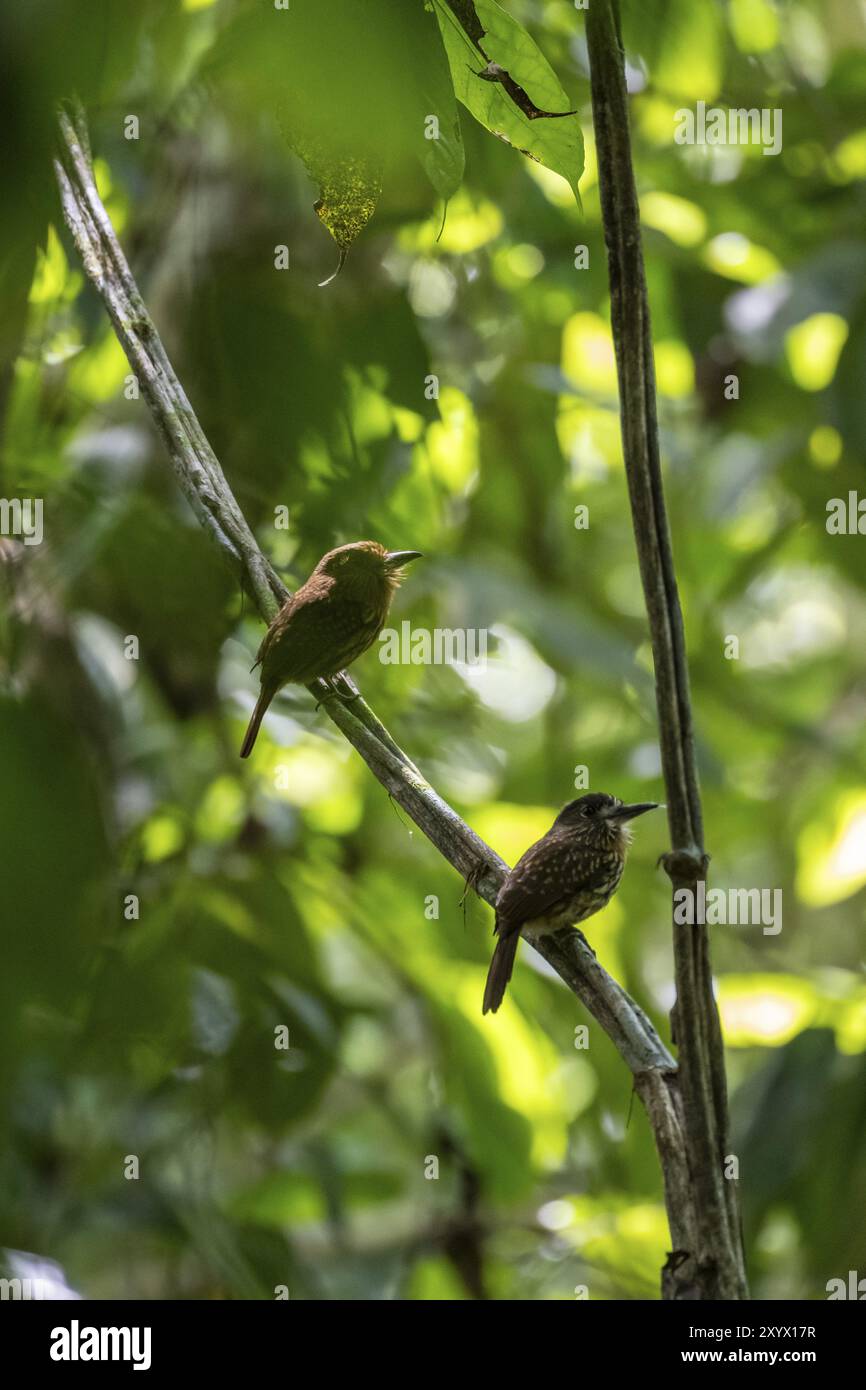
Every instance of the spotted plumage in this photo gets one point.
(566, 876)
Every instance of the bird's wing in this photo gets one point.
(276, 626)
(550, 871)
(532, 887)
(315, 635)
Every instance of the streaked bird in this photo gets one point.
(566, 876)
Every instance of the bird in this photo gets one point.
(566, 876)
(330, 621)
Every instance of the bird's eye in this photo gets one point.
(588, 811)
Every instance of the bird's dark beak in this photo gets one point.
(629, 812)
(395, 558)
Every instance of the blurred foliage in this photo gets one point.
(167, 910)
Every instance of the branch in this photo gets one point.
(202, 481)
(718, 1270)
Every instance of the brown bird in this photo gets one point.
(566, 876)
(329, 621)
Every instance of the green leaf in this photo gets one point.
(442, 157)
(503, 78)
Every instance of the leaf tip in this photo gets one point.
(340, 263)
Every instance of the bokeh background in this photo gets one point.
(290, 892)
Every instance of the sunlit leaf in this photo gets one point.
(503, 78)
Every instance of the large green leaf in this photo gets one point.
(504, 79)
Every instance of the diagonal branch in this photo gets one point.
(718, 1270)
(202, 481)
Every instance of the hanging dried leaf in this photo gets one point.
(350, 180)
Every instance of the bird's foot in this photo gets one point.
(343, 685)
(324, 686)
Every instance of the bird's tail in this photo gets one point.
(258, 715)
(500, 970)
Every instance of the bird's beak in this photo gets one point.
(395, 558)
(629, 812)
